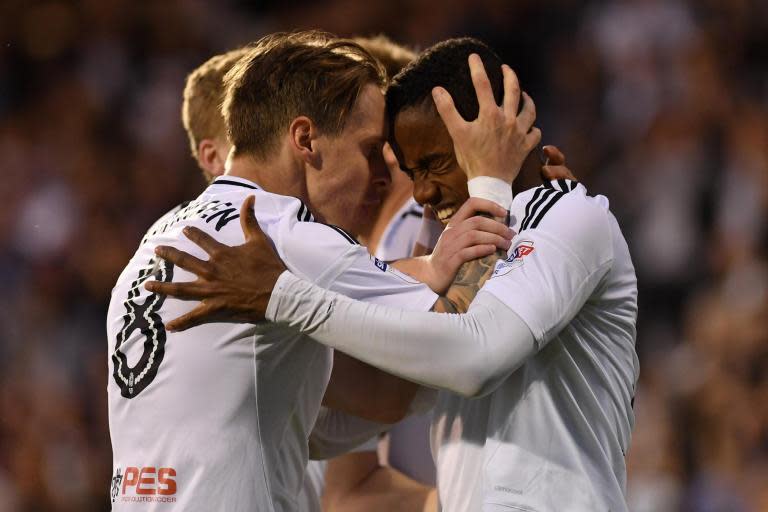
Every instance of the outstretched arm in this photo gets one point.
(466, 354)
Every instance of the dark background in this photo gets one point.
(660, 105)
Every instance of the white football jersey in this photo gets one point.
(217, 417)
(554, 434)
(538, 375)
(310, 497)
(401, 233)
(408, 444)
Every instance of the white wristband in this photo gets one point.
(493, 189)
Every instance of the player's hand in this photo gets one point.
(467, 237)
(554, 165)
(497, 142)
(234, 285)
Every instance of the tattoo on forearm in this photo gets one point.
(469, 279)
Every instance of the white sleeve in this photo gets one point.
(556, 264)
(336, 433)
(468, 354)
(329, 257)
(535, 293)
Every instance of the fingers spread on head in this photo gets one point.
(447, 110)
(528, 115)
(511, 92)
(533, 138)
(481, 82)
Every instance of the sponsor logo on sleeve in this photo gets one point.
(515, 259)
(389, 269)
(381, 265)
(148, 484)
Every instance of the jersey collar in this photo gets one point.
(234, 181)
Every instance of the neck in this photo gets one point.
(401, 190)
(277, 174)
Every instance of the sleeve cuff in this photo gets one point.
(282, 288)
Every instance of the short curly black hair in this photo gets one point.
(445, 65)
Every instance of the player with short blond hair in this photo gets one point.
(201, 112)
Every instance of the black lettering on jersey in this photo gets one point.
(543, 200)
(143, 317)
(208, 210)
(225, 217)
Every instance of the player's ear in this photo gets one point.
(303, 139)
(211, 158)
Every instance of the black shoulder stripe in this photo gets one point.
(528, 206)
(546, 193)
(304, 215)
(543, 199)
(343, 233)
(234, 183)
(555, 198)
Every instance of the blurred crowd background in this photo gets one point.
(661, 105)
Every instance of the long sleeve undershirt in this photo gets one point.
(469, 354)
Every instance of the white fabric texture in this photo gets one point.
(547, 346)
(229, 407)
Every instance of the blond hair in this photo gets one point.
(393, 56)
(203, 95)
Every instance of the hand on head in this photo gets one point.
(497, 142)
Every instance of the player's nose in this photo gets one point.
(425, 192)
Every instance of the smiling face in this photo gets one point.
(425, 151)
(353, 177)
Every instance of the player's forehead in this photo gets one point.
(419, 131)
(367, 118)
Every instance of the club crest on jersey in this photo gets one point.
(515, 259)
